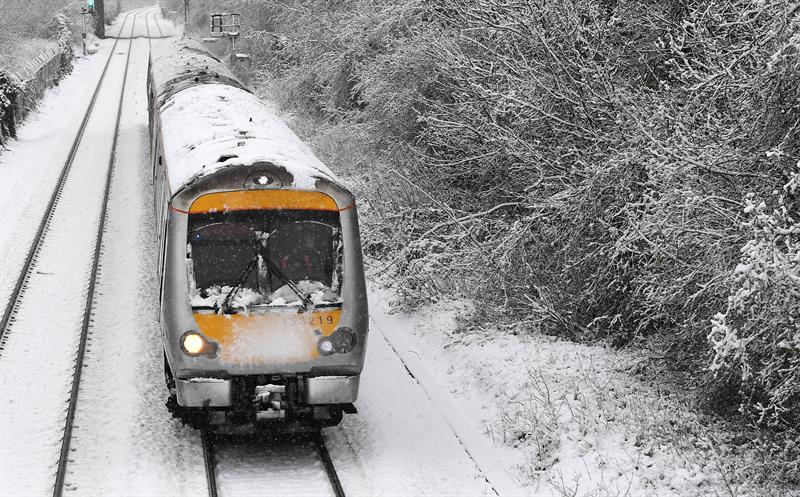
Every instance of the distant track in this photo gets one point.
(19, 287)
(58, 487)
(148, 36)
(210, 459)
(155, 19)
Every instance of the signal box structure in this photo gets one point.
(227, 24)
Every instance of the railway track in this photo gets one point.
(9, 312)
(58, 487)
(158, 26)
(210, 443)
(31, 261)
(61, 271)
(266, 469)
(209, 460)
(147, 29)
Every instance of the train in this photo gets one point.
(262, 300)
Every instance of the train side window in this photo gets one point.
(161, 257)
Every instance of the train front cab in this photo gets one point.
(242, 344)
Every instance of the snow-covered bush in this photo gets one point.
(575, 165)
(755, 341)
(64, 43)
(9, 89)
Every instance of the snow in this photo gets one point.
(206, 123)
(274, 467)
(254, 343)
(314, 290)
(170, 57)
(283, 296)
(399, 443)
(561, 418)
(37, 361)
(125, 442)
(477, 447)
(206, 380)
(216, 295)
(483, 414)
(29, 168)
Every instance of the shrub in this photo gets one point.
(756, 340)
(581, 166)
(65, 45)
(9, 89)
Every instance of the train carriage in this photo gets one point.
(263, 306)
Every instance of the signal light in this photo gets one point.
(90, 4)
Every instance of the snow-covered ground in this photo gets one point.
(568, 419)
(441, 412)
(38, 356)
(30, 167)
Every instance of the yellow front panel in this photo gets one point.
(270, 337)
(263, 199)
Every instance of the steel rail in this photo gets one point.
(158, 25)
(209, 460)
(147, 31)
(330, 469)
(14, 299)
(58, 487)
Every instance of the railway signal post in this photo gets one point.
(84, 11)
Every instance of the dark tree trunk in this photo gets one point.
(99, 19)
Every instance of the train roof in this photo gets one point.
(179, 64)
(208, 125)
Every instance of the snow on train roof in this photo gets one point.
(208, 127)
(175, 61)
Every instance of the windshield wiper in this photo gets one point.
(226, 304)
(307, 303)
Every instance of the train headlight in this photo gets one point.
(325, 346)
(194, 343)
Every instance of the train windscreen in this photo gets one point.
(269, 257)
